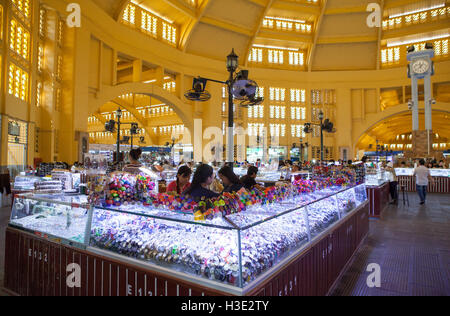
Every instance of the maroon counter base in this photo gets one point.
(439, 185)
(378, 199)
(37, 267)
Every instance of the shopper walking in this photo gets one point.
(423, 178)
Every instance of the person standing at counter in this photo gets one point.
(230, 180)
(393, 182)
(423, 177)
(249, 180)
(134, 166)
(182, 183)
(203, 177)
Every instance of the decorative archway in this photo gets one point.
(372, 120)
(183, 110)
(386, 129)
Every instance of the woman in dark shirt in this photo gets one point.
(203, 177)
(249, 180)
(230, 180)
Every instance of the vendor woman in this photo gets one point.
(230, 180)
(182, 183)
(134, 166)
(203, 177)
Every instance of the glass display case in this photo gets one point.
(66, 218)
(23, 183)
(375, 176)
(233, 251)
(440, 173)
(445, 173)
(269, 176)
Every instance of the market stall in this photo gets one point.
(282, 241)
(377, 189)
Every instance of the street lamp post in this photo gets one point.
(119, 116)
(246, 92)
(232, 65)
(110, 126)
(326, 126)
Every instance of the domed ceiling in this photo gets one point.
(339, 38)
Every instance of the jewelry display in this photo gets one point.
(215, 239)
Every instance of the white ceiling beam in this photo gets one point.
(296, 7)
(227, 25)
(286, 36)
(257, 30)
(380, 34)
(346, 39)
(261, 3)
(187, 33)
(183, 7)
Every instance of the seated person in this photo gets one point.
(199, 189)
(230, 180)
(249, 180)
(182, 183)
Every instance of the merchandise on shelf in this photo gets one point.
(375, 175)
(45, 169)
(48, 186)
(22, 183)
(53, 214)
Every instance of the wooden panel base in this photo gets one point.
(38, 267)
(440, 185)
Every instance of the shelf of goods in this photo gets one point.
(378, 199)
(296, 246)
(377, 190)
(440, 184)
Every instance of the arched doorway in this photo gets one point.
(162, 117)
(183, 110)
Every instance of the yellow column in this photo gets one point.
(137, 70)
(159, 76)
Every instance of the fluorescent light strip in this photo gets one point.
(152, 12)
(417, 11)
(152, 106)
(150, 81)
(284, 19)
(276, 47)
(417, 40)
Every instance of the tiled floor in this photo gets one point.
(411, 245)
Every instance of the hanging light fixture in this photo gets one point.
(232, 61)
